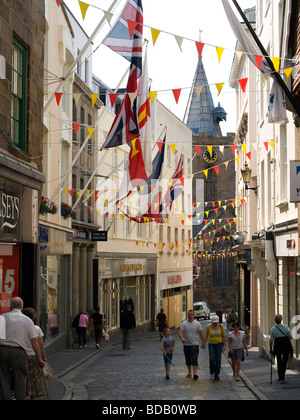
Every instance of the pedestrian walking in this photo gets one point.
(215, 335)
(161, 322)
(281, 346)
(237, 345)
(81, 329)
(34, 373)
(189, 334)
(231, 318)
(168, 348)
(98, 322)
(21, 334)
(2, 328)
(127, 324)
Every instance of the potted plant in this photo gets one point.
(66, 211)
(47, 206)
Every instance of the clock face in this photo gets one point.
(210, 157)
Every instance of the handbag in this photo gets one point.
(47, 372)
(289, 344)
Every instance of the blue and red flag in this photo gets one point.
(126, 37)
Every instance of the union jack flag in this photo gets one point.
(125, 127)
(126, 37)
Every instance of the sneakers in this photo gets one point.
(98, 346)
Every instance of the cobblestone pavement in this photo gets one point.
(139, 374)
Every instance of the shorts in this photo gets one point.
(170, 357)
(191, 355)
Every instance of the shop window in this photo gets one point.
(18, 104)
(52, 304)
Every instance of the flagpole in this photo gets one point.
(101, 116)
(76, 61)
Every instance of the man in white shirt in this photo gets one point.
(20, 334)
(2, 328)
(189, 334)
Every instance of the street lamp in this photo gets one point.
(246, 174)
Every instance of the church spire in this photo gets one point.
(201, 114)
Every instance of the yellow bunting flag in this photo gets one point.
(152, 96)
(219, 53)
(220, 87)
(237, 160)
(244, 147)
(94, 97)
(90, 131)
(83, 7)
(155, 33)
(209, 148)
(276, 62)
(288, 73)
(205, 172)
(173, 147)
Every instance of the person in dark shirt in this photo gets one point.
(127, 324)
(99, 326)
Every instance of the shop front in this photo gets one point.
(176, 296)
(121, 281)
(19, 186)
(54, 285)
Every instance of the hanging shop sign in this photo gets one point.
(9, 212)
(295, 181)
(9, 275)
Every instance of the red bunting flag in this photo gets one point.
(131, 26)
(216, 168)
(233, 149)
(266, 143)
(199, 46)
(58, 98)
(176, 93)
(259, 59)
(243, 83)
(248, 155)
(76, 127)
(58, 2)
(198, 148)
(113, 98)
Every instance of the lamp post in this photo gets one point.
(246, 175)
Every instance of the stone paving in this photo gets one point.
(139, 374)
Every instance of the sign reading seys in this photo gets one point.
(9, 212)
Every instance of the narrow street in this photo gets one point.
(138, 374)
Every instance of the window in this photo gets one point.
(18, 105)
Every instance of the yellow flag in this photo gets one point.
(220, 87)
(83, 7)
(244, 147)
(288, 73)
(90, 131)
(237, 160)
(94, 97)
(155, 33)
(276, 62)
(205, 172)
(272, 144)
(152, 96)
(209, 148)
(219, 53)
(173, 147)
(198, 90)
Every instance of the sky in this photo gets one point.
(169, 67)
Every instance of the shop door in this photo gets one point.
(9, 275)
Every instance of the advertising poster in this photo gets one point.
(9, 275)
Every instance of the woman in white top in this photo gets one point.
(34, 374)
(237, 344)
